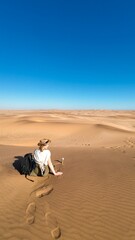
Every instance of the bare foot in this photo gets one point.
(58, 173)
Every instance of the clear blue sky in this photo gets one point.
(67, 54)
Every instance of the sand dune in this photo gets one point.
(93, 200)
(116, 127)
(24, 128)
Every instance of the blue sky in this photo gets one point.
(57, 54)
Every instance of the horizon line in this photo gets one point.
(62, 109)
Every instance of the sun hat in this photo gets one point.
(43, 142)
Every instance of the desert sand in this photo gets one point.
(95, 197)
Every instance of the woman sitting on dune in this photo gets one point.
(42, 158)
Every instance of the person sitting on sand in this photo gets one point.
(42, 157)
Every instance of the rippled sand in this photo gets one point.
(93, 200)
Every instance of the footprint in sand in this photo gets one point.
(50, 219)
(52, 223)
(44, 191)
(130, 143)
(31, 208)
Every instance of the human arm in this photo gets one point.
(52, 168)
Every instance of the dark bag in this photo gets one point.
(27, 164)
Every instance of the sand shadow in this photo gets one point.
(58, 161)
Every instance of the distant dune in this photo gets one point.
(94, 199)
(23, 128)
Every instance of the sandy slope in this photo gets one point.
(93, 200)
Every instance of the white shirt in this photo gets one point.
(42, 157)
